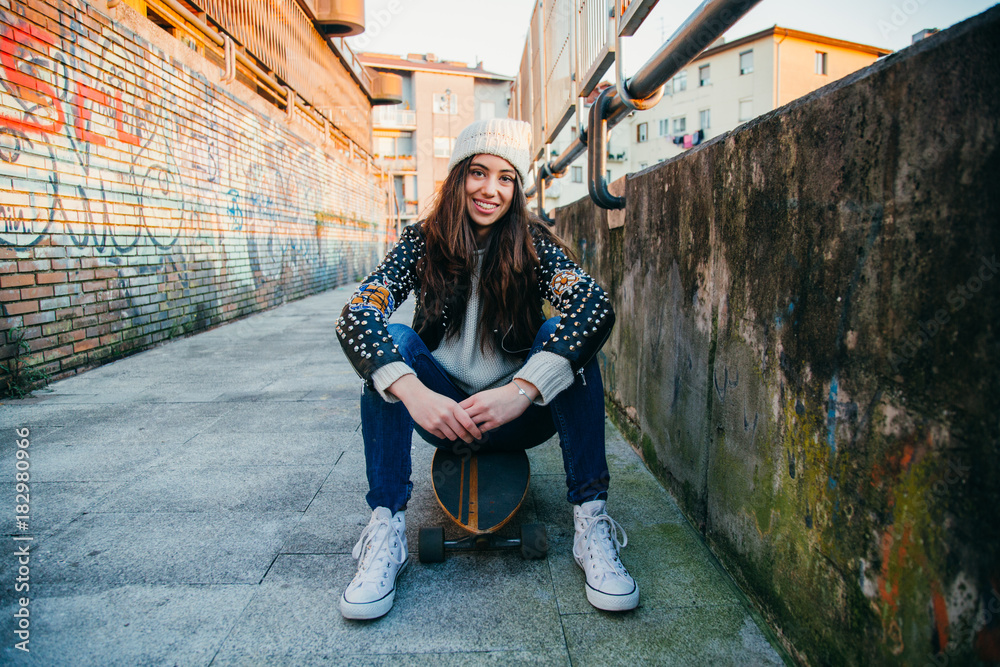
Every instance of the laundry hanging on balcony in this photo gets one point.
(688, 140)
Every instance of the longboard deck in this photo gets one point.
(480, 492)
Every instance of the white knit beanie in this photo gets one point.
(503, 137)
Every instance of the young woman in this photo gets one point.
(481, 364)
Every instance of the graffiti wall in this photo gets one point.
(806, 352)
(142, 199)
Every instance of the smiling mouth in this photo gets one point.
(485, 205)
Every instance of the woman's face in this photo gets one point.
(489, 189)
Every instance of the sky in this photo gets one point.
(493, 31)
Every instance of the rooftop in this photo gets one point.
(718, 46)
(427, 62)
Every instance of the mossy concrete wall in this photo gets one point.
(806, 352)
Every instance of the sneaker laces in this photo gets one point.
(602, 531)
(374, 541)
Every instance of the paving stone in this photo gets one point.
(483, 602)
(249, 448)
(85, 461)
(668, 560)
(718, 635)
(102, 549)
(197, 489)
(127, 625)
(54, 505)
(288, 417)
(208, 492)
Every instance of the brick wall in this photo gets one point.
(142, 199)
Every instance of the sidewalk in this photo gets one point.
(196, 504)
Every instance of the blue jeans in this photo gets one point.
(577, 413)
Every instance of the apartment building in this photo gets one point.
(413, 140)
(727, 85)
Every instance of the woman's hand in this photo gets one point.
(437, 414)
(495, 407)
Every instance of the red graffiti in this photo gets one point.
(17, 61)
(83, 92)
(30, 87)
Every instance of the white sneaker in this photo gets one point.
(382, 556)
(595, 547)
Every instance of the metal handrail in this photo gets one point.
(540, 174)
(597, 184)
(706, 24)
(621, 83)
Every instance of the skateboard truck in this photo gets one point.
(431, 544)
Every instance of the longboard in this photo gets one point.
(481, 493)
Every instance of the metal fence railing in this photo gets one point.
(393, 117)
(560, 62)
(597, 43)
(280, 35)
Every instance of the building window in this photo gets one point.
(680, 125)
(445, 103)
(404, 144)
(664, 127)
(681, 81)
(746, 62)
(577, 174)
(443, 146)
(704, 75)
(607, 176)
(746, 109)
(641, 132)
(821, 63)
(385, 146)
(705, 119)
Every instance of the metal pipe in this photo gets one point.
(597, 184)
(621, 83)
(194, 20)
(705, 25)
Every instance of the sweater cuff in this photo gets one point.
(549, 372)
(386, 375)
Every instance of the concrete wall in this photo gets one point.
(141, 198)
(807, 355)
(497, 92)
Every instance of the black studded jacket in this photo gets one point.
(587, 315)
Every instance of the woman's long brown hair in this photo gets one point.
(508, 290)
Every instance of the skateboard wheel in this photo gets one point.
(534, 541)
(430, 545)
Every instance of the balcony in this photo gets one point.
(396, 163)
(409, 208)
(394, 118)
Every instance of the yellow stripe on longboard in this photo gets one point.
(467, 512)
(461, 491)
(474, 494)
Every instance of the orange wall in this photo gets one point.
(796, 66)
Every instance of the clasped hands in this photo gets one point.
(467, 420)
